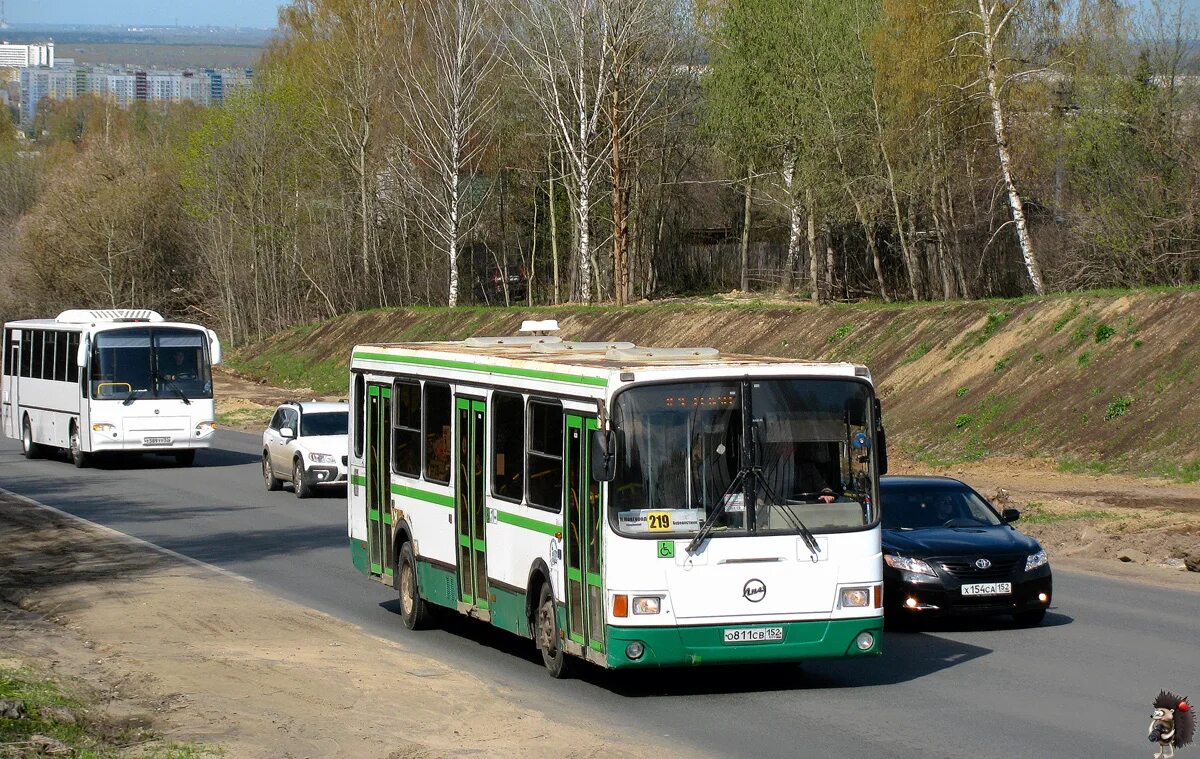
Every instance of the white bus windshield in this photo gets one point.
(150, 362)
(680, 448)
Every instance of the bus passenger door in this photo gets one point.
(471, 437)
(12, 364)
(379, 481)
(585, 593)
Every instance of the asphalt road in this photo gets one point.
(1081, 685)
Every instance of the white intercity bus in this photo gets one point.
(631, 507)
(109, 381)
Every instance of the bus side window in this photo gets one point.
(437, 417)
(360, 413)
(27, 353)
(39, 344)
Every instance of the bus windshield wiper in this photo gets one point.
(717, 510)
(810, 540)
(129, 399)
(177, 390)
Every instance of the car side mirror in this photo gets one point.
(1010, 515)
(604, 455)
(287, 433)
(881, 452)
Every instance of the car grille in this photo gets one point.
(964, 568)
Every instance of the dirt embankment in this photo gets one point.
(1094, 382)
(195, 655)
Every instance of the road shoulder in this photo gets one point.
(212, 659)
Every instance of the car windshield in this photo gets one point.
(916, 507)
(680, 449)
(150, 362)
(317, 423)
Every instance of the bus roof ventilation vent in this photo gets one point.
(492, 342)
(662, 354)
(570, 346)
(87, 316)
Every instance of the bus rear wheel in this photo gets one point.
(547, 636)
(413, 609)
(79, 457)
(29, 449)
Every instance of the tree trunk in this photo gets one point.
(553, 234)
(872, 248)
(747, 210)
(814, 261)
(794, 222)
(1014, 197)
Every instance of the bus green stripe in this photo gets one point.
(424, 495)
(509, 371)
(528, 524)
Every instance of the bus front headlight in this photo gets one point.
(205, 427)
(855, 598)
(646, 604)
(102, 427)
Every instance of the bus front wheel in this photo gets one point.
(547, 636)
(79, 457)
(413, 609)
(29, 449)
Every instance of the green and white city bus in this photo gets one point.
(628, 506)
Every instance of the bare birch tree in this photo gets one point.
(558, 55)
(445, 83)
(991, 19)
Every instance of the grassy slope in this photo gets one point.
(1097, 381)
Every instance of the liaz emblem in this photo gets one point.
(754, 591)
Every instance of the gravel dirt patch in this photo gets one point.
(206, 657)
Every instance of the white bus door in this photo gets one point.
(12, 369)
(379, 479)
(585, 592)
(471, 437)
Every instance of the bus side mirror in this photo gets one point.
(81, 355)
(214, 347)
(604, 455)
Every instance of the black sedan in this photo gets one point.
(947, 551)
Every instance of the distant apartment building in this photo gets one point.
(25, 56)
(125, 86)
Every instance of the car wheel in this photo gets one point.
(1030, 618)
(547, 636)
(79, 457)
(185, 458)
(303, 490)
(413, 609)
(29, 449)
(272, 482)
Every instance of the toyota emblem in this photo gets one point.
(754, 591)
(983, 564)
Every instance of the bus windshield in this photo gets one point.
(681, 447)
(150, 362)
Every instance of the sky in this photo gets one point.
(252, 13)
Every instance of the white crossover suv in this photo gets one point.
(306, 444)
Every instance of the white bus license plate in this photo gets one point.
(753, 634)
(987, 589)
(156, 441)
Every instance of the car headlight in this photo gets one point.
(1036, 560)
(908, 564)
(321, 458)
(855, 598)
(646, 604)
